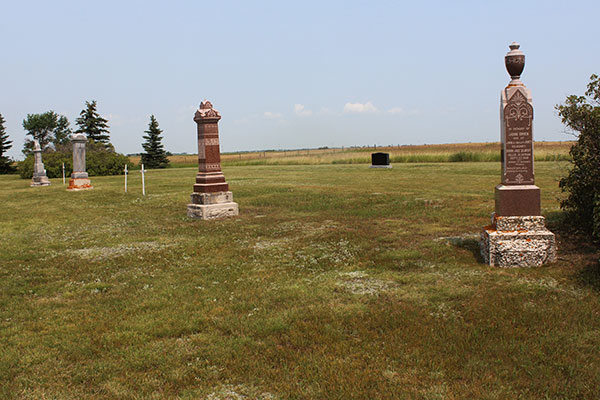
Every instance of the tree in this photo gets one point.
(92, 125)
(581, 115)
(49, 128)
(5, 144)
(155, 155)
(62, 132)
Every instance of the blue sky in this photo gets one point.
(293, 74)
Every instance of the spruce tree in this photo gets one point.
(92, 125)
(62, 132)
(5, 144)
(155, 155)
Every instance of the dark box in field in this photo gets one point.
(380, 160)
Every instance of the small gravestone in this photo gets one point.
(211, 198)
(380, 160)
(39, 172)
(517, 236)
(79, 178)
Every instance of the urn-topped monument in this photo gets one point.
(517, 236)
(79, 178)
(39, 172)
(211, 197)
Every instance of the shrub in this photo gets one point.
(581, 115)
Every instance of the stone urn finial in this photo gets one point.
(515, 62)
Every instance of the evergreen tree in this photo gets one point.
(62, 132)
(49, 128)
(5, 144)
(155, 155)
(92, 125)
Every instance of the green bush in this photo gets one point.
(581, 114)
(99, 160)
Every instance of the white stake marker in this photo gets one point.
(125, 178)
(63, 173)
(143, 181)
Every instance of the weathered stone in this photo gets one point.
(39, 172)
(532, 245)
(79, 178)
(211, 197)
(380, 160)
(517, 236)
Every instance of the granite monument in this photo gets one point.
(517, 236)
(39, 172)
(211, 198)
(79, 178)
(380, 160)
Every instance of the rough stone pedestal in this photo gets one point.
(517, 242)
(212, 205)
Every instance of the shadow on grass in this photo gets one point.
(470, 243)
(577, 247)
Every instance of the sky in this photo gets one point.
(287, 75)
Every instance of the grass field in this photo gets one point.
(456, 152)
(335, 282)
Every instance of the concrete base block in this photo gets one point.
(212, 205)
(212, 211)
(40, 181)
(79, 184)
(517, 242)
(380, 166)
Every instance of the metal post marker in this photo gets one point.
(63, 168)
(143, 181)
(125, 178)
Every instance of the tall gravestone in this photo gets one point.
(39, 172)
(517, 236)
(211, 197)
(79, 178)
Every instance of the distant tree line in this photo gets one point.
(53, 132)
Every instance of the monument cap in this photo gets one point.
(206, 111)
(78, 137)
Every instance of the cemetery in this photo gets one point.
(426, 280)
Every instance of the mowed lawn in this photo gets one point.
(335, 282)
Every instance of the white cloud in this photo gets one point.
(396, 110)
(358, 108)
(272, 115)
(301, 111)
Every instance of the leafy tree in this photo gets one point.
(5, 144)
(93, 125)
(155, 155)
(49, 128)
(581, 115)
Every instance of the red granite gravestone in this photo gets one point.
(211, 198)
(517, 235)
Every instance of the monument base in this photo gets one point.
(517, 200)
(79, 184)
(522, 241)
(380, 166)
(212, 205)
(40, 181)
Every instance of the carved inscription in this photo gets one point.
(518, 145)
